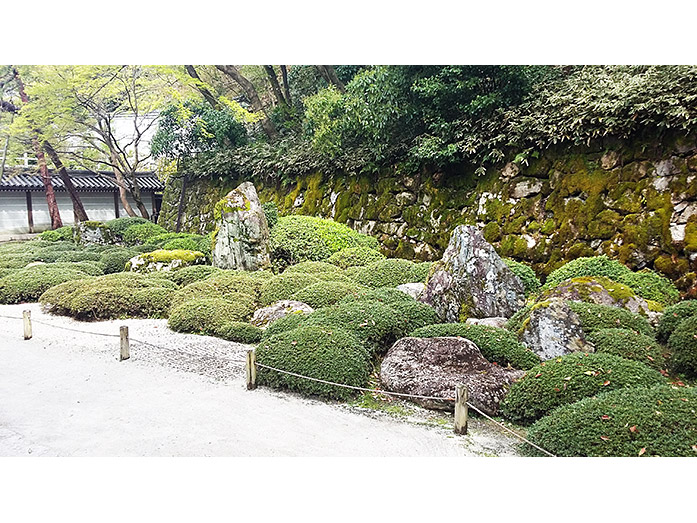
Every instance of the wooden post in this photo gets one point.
(251, 370)
(125, 347)
(461, 409)
(27, 324)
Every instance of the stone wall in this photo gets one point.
(635, 202)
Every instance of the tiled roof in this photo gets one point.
(83, 181)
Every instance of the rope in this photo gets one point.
(408, 396)
(352, 387)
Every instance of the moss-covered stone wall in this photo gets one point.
(635, 202)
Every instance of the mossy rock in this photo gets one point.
(164, 260)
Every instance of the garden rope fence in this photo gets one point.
(260, 365)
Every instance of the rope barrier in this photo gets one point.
(352, 387)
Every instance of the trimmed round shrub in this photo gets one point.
(61, 234)
(388, 295)
(207, 315)
(631, 422)
(27, 285)
(595, 317)
(299, 238)
(324, 293)
(673, 316)
(420, 271)
(88, 267)
(56, 300)
(335, 276)
(284, 286)
(317, 352)
(651, 286)
(414, 314)
(139, 234)
(194, 273)
(118, 295)
(15, 261)
(188, 244)
(570, 378)
(386, 273)
(78, 256)
(213, 289)
(119, 225)
(116, 260)
(496, 345)
(240, 332)
(284, 324)
(630, 345)
(5, 272)
(312, 267)
(531, 283)
(355, 257)
(683, 344)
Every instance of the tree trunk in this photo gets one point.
(275, 87)
(48, 187)
(123, 193)
(251, 92)
(137, 197)
(329, 75)
(78, 208)
(286, 88)
(191, 71)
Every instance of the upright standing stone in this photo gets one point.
(472, 281)
(242, 241)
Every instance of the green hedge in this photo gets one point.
(414, 315)
(115, 260)
(194, 273)
(630, 345)
(673, 316)
(118, 295)
(386, 273)
(570, 378)
(595, 317)
(207, 315)
(531, 283)
(119, 225)
(496, 345)
(61, 234)
(355, 257)
(27, 285)
(139, 234)
(683, 344)
(314, 351)
(388, 295)
(240, 332)
(312, 267)
(299, 238)
(230, 287)
(657, 421)
(284, 286)
(324, 293)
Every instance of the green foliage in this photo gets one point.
(141, 233)
(355, 257)
(386, 273)
(240, 332)
(647, 284)
(115, 260)
(271, 212)
(207, 315)
(194, 273)
(78, 256)
(118, 295)
(230, 285)
(316, 352)
(496, 345)
(119, 225)
(570, 378)
(324, 293)
(61, 234)
(26, 285)
(311, 267)
(595, 317)
(673, 316)
(630, 345)
(188, 244)
(683, 344)
(283, 286)
(656, 421)
(299, 238)
(414, 314)
(387, 295)
(193, 127)
(284, 324)
(531, 283)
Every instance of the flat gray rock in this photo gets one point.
(266, 316)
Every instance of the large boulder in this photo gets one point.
(599, 290)
(242, 240)
(267, 315)
(415, 290)
(92, 233)
(472, 280)
(435, 366)
(496, 321)
(552, 329)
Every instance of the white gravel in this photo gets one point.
(65, 393)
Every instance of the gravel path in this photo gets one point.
(64, 393)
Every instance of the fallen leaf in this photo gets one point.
(641, 452)
(538, 375)
(650, 358)
(604, 416)
(567, 378)
(694, 447)
(557, 390)
(632, 428)
(606, 383)
(604, 438)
